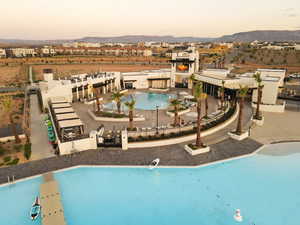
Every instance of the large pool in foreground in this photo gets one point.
(145, 100)
(266, 188)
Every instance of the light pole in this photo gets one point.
(157, 119)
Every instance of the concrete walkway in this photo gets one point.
(39, 137)
(278, 127)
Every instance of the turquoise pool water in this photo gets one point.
(145, 101)
(266, 189)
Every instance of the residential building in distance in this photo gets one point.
(47, 51)
(21, 52)
(2, 53)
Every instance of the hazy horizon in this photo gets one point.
(71, 19)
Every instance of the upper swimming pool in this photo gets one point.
(145, 101)
(266, 188)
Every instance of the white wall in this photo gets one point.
(269, 93)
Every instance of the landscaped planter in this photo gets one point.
(171, 114)
(259, 122)
(196, 151)
(239, 137)
(112, 119)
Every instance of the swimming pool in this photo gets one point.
(266, 189)
(145, 101)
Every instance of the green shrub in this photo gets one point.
(2, 150)
(6, 159)
(18, 148)
(27, 150)
(14, 162)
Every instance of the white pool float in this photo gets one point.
(154, 164)
(237, 216)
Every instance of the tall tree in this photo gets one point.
(130, 105)
(206, 104)
(97, 99)
(193, 80)
(116, 96)
(175, 103)
(199, 95)
(222, 89)
(9, 110)
(242, 93)
(257, 77)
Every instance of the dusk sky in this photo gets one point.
(58, 19)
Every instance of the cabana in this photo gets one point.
(67, 116)
(61, 105)
(69, 129)
(63, 110)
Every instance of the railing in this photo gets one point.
(166, 132)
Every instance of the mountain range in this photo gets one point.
(262, 35)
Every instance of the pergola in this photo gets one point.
(61, 105)
(69, 129)
(67, 116)
(63, 110)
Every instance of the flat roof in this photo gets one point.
(58, 99)
(70, 123)
(66, 116)
(61, 105)
(63, 110)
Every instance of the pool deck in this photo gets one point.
(173, 155)
(52, 209)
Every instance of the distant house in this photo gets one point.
(2, 53)
(21, 52)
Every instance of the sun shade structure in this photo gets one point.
(55, 100)
(61, 105)
(70, 129)
(63, 110)
(67, 116)
(70, 123)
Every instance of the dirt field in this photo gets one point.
(81, 60)
(242, 68)
(67, 70)
(13, 75)
(18, 106)
(18, 74)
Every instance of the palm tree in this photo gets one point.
(257, 77)
(176, 104)
(8, 109)
(97, 100)
(241, 95)
(199, 95)
(130, 105)
(194, 80)
(222, 89)
(206, 105)
(116, 96)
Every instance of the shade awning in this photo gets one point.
(63, 110)
(66, 116)
(69, 123)
(61, 105)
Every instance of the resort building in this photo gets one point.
(68, 128)
(80, 87)
(272, 80)
(184, 64)
(153, 79)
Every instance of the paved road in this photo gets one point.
(39, 137)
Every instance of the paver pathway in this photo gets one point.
(39, 137)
